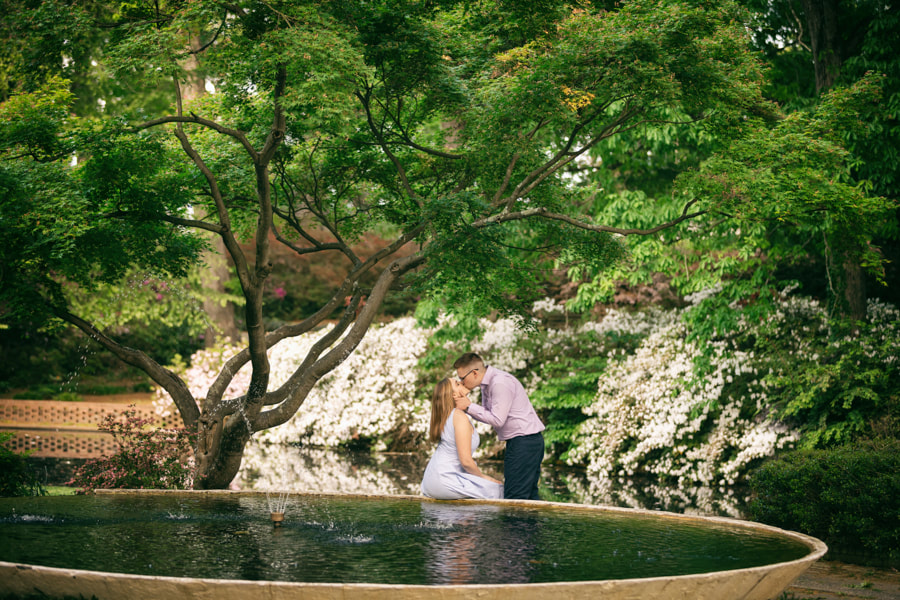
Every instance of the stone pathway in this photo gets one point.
(827, 580)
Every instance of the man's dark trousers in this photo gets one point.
(522, 466)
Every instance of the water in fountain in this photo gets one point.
(353, 539)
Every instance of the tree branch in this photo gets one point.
(279, 122)
(190, 223)
(231, 244)
(234, 133)
(214, 37)
(170, 382)
(566, 155)
(365, 100)
(305, 381)
(542, 212)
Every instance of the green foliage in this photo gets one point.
(835, 384)
(147, 457)
(569, 384)
(31, 124)
(776, 198)
(849, 497)
(60, 224)
(17, 478)
(41, 392)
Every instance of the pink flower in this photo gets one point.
(280, 293)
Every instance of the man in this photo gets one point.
(505, 406)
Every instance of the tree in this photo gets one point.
(815, 47)
(446, 125)
(772, 168)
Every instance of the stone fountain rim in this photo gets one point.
(99, 582)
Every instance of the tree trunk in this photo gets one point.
(218, 468)
(221, 314)
(822, 21)
(854, 291)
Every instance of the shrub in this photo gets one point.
(650, 418)
(41, 392)
(147, 458)
(832, 383)
(707, 409)
(849, 497)
(103, 389)
(143, 387)
(16, 476)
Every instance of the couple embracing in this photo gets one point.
(451, 473)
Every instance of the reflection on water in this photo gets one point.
(293, 468)
(479, 543)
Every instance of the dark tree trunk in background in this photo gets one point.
(822, 19)
(855, 297)
(216, 273)
(220, 314)
(831, 38)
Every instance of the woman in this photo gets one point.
(451, 473)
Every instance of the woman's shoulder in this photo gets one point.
(460, 416)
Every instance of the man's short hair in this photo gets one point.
(467, 360)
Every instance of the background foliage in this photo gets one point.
(847, 497)
(17, 477)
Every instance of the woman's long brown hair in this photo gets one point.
(441, 406)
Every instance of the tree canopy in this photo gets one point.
(480, 138)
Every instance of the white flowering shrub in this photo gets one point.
(372, 394)
(786, 380)
(376, 391)
(647, 419)
(837, 381)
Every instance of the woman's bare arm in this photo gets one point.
(463, 436)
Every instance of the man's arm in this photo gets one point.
(501, 401)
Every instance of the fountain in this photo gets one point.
(277, 505)
(120, 544)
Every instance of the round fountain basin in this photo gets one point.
(193, 544)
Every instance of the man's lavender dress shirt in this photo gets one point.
(505, 406)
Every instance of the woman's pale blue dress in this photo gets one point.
(445, 478)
